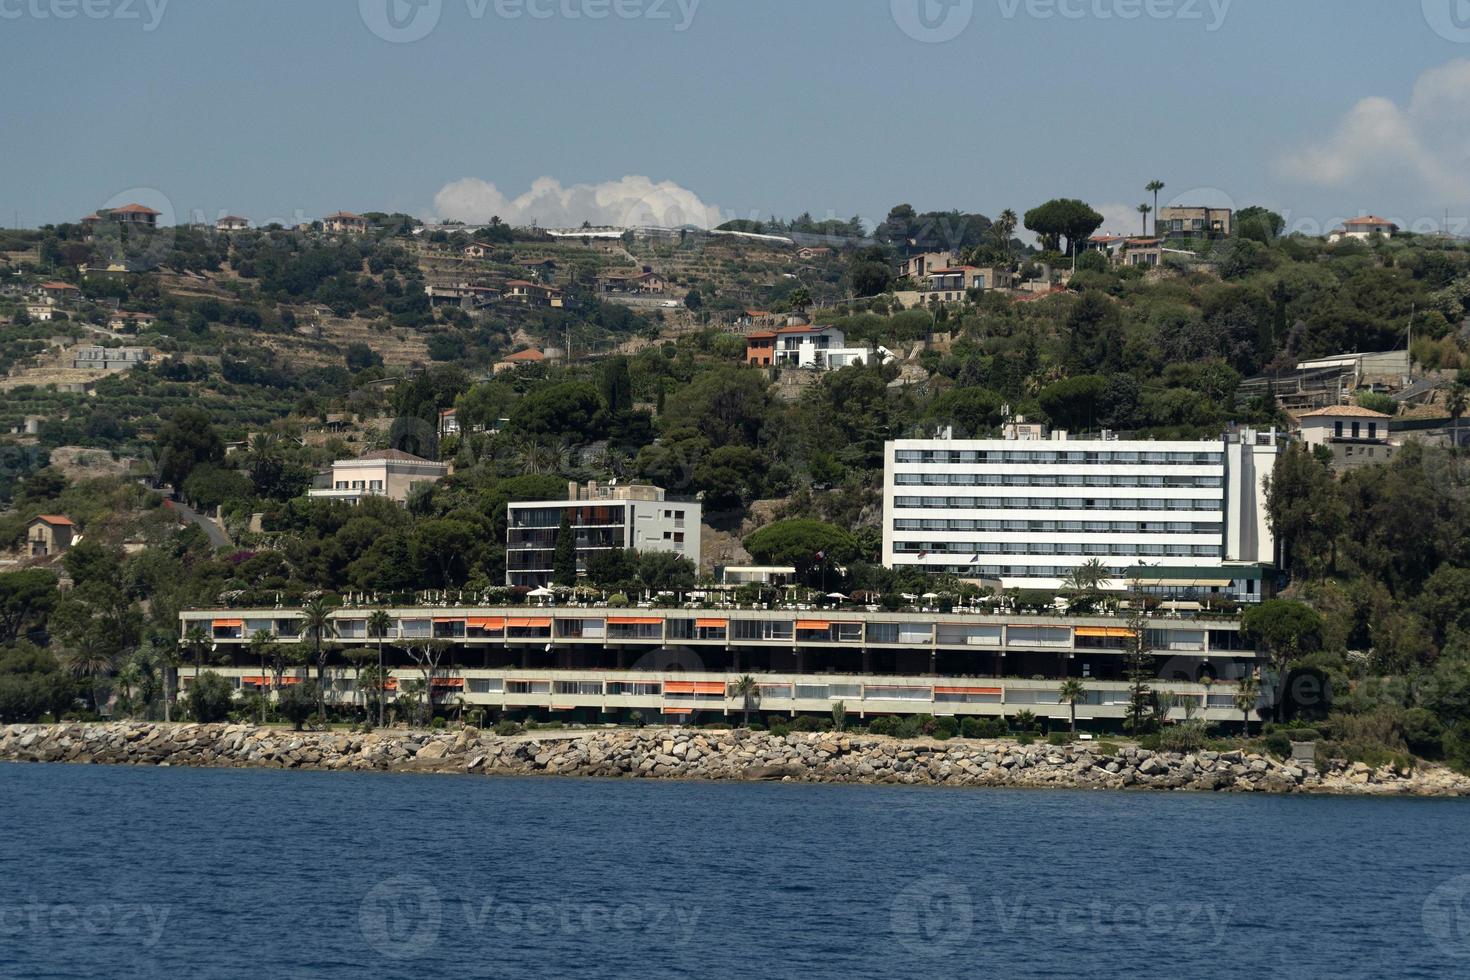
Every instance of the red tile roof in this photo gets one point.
(133, 209)
(1367, 219)
(54, 519)
(57, 285)
(394, 455)
(345, 216)
(529, 355)
(1345, 411)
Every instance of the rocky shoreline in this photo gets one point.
(712, 755)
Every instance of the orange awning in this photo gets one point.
(634, 621)
(1110, 632)
(694, 687)
(711, 624)
(224, 623)
(528, 623)
(485, 623)
(258, 681)
(968, 690)
(813, 624)
(449, 619)
(678, 711)
(449, 682)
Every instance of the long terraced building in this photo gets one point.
(598, 664)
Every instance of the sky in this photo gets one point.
(674, 111)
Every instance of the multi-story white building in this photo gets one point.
(389, 473)
(1029, 511)
(603, 517)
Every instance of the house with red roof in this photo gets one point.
(232, 222)
(130, 214)
(345, 223)
(1364, 228)
(50, 534)
(530, 293)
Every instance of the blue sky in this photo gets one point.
(287, 108)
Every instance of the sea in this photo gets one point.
(223, 873)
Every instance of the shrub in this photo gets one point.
(1060, 738)
(210, 698)
(884, 725)
(1025, 721)
(297, 703)
(506, 726)
(1278, 743)
(1423, 733)
(1189, 737)
(1108, 748)
(983, 727)
(807, 723)
(1025, 738)
(945, 729)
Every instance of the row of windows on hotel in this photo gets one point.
(1053, 457)
(1009, 571)
(1053, 503)
(1058, 548)
(1083, 527)
(1053, 480)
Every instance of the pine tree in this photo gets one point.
(1140, 670)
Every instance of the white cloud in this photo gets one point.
(1379, 143)
(629, 201)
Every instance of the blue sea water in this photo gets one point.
(153, 873)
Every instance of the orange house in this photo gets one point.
(760, 348)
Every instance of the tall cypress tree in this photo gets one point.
(564, 563)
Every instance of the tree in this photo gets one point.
(427, 655)
(748, 690)
(1074, 403)
(1071, 692)
(1145, 210)
(564, 559)
(1259, 224)
(1306, 511)
(317, 624)
(210, 698)
(379, 623)
(297, 702)
(1005, 231)
(197, 642)
(663, 570)
(802, 543)
(1154, 186)
(1062, 218)
(1246, 696)
(260, 648)
(92, 664)
(26, 599)
(185, 441)
(1455, 404)
(359, 657)
(1287, 629)
(1139, 669)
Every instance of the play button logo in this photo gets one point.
(1450, 19)
(401, 21)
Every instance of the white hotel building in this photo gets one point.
(1028, 511)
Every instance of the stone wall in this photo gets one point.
(723, 755)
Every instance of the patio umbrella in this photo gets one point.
(540, 594)
(907, 597)
(835, 595)
(931, 595)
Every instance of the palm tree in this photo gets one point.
(1090, 576)
(318, 625)
(261, 642)
(748, 690)
(1005, 230)
(1145, 210)
(1155, 186)
(91, 664)
(1246, 697)
(359, 658)
(196, 639)
(1456, 404)
(378, 625)
(1072, 691)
